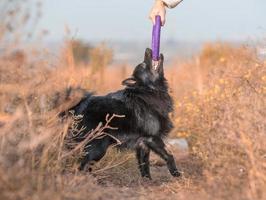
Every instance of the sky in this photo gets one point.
(192, 20)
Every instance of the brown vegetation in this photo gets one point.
(220, 109)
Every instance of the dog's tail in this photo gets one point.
(78, 108)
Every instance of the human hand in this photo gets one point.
(158, 9)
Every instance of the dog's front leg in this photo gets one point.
(143, 156)
(157, 145)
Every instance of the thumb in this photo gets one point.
(152, 18)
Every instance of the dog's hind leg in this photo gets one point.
(157, 145)
(143, 155)
(94, 151)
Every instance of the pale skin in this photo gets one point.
(159, 8)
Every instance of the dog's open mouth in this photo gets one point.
(129, 82)
(155, 64)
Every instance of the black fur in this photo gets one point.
(146, 104)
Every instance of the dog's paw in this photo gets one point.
(146, 177)
(175, 173)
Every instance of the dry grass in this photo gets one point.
(220, 109)
(224, 121)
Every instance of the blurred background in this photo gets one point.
(124, 25)
(128, 20)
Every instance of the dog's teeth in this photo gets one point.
(155, 64)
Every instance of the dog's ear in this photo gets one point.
(148, 57)
(129, 82)
(160, 67)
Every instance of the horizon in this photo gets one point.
(237, 20)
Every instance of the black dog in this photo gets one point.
(145, 103)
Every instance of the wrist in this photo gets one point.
(160, 3)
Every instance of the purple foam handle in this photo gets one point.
(156, 32)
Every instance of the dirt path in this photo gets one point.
(124, 181)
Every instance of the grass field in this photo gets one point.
(219, 109)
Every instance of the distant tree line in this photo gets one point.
(97, 56)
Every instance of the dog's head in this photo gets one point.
(145, 75)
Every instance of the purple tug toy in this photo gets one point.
(156, 32)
